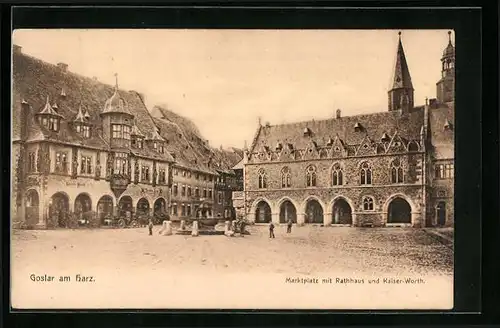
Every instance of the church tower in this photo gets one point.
(401, 93)
(446, 85)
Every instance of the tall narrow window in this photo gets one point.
(209, 193)
(220, 197)
(145, 174)
(204, 193)
(337, 175)
(197, 192)
(121, 164)
(162, 177)
(285, 177)
(86, 131)
(183, 191)
(32, 162)
(86, 166)
(189, 191)
(61, 163)
(262, 179)
(175, 190)
(396, 171)
(366, 174)
(368, 204)
(449, 171)
(311, 176)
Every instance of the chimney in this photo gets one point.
(63, 66)
(338, 113)
(17, 49)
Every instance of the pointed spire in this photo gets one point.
(79, 116)
(116, 81)
(54, 106)
(449, 51)
(402, 78)
(449, 37)
(47, 109)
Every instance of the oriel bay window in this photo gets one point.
(120, 131)
(86, 165)
(61, 163)
(121, 164)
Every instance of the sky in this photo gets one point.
(224, 80)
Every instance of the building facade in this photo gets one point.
(84, 149)
(389, 168)
(81, 147)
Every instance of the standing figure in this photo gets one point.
(150, 227)
(271, 230)
(242, 228)
(289, 226)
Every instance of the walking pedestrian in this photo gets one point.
(150, 226)
(289, 226)
(271, 230)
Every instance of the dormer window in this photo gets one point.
(307, 132)
(385, 137)
(49, 118)
(161, 149)
(358, 127)
(53, 124)
(155, 145)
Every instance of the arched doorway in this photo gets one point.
(441, 214)
(59, 210)
(342, 212)
(287, 212)
(314, 212)
(104, 208)
(263, 212)
(159, 206)
(125, 207)
(142, 208)
(160, 210)
(399, 211)
(83, 204)
(32, 207)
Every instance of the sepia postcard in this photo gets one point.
(232, 169)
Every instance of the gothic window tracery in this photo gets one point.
(366, 173)
(286, 177)
(262, 179)
(311, 176)
(337, 175)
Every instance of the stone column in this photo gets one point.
(354, 217)
(301, 218)
(21, 213)
(416, 221)
(43, 213)
(327, 218)
(275, 218)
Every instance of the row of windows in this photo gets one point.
(188, 191)
(51, 123)
(83, 130)
(444, 171)
(337, 175)
(197, 176)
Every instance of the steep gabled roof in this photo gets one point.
(34, 80)
(351, 130)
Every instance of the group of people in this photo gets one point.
(242, 228)
(288, 228)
